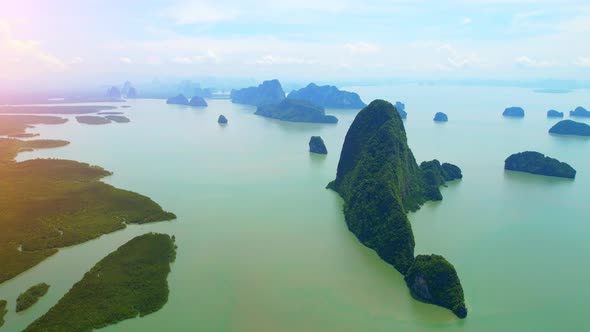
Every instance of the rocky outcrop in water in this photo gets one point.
(537, 163)
(569, 127)
(114, 93)
(441, 117)
(296, 111)
(267, 93)
(316, 145)
(401, 109)
(434, 280)
(515, 112)
(222, 119)
(328, 96)
(178, 100)
(554, 114)
(198, 101)
(580, 112)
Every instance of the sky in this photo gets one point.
(67, 42)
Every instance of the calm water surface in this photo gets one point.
(262, 246)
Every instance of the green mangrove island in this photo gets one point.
(54, 109)
(537, 163)
(130, 282)
(118, 118)
(28, 298)
(294, 110)
(3, 311)
(47, 204)
(380, 181)
(92, 120)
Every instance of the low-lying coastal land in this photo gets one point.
(3, 311)
(16, 125)
(93, 120)
(48, 204)
(118, 118)
(130, 282)
(61, 109)
(31, 296)
(294, 110)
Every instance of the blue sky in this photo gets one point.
(300, 40)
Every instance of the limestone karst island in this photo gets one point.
(289, 166)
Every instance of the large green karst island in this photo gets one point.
(380, 182)
(130, 282)
(537, 163)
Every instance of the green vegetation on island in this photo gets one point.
(130, 282)
(92, 120)
(16, 125)
(569, 127)
(434, 280)
(31, 296)
(328, 96)
(537, 163)
(316, 145)
(3, 311)
(9, 148)
(296, 111)
(380, 181)
(267, 93)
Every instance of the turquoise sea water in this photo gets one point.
(262, 245)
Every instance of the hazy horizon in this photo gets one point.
(63, 44)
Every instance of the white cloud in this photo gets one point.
(525, 61)
(280, 60)
(26, 51)
(197, 12)
(466, 21)
(361, 48)
(125, 60)
(582, 61)
(209, 57)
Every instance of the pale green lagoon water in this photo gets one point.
(263, 246)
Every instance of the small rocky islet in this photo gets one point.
(554, 114)
(440, 117)
(316, 145)
(222, 119)
(514, 112)
(537, 163)
(580, 112)
(570, 128)
(294, 110)
(196, 101)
